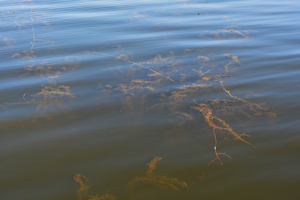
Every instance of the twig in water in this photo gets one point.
(24, 98)
(33, 35)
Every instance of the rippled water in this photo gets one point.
(101, 88)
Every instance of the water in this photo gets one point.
(101, 88)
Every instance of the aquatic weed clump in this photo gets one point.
(162, 182)
(82, 192)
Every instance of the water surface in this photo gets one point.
(101, 88)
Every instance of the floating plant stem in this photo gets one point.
(155, 72)
(24, 98)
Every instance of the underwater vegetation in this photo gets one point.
(51, 96)
(181, 98)
(209, 118)
(162, 182)
(228, 32)
(82, 192)
(138, 183)
(172, 84)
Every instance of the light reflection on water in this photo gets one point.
(98, 89)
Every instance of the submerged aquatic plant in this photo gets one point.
(52, 95)
(207, 115)
(163, 71)
(211, 69)
(162, 182)
(210, 119)
(82, 193)
(228, 32)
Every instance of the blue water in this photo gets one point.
(101, 88)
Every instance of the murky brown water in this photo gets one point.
(149, 100)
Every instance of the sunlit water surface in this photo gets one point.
(101, 88)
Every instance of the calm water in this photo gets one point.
(101, 88)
